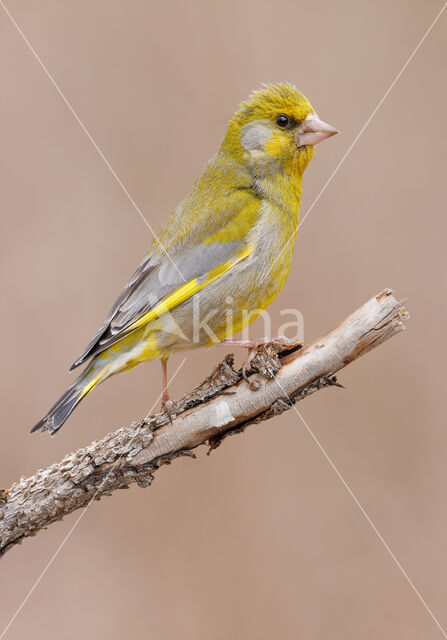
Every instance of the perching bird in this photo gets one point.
(224, 253)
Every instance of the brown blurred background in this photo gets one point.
(261, 540)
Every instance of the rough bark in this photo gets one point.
(223, 404)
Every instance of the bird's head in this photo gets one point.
(276, 129)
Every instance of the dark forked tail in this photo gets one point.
(60, 411)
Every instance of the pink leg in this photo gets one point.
(166, 402)
(251, 345)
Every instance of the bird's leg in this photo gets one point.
(252, 346)
(166, 402)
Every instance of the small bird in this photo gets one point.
(223, 255)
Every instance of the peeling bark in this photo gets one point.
(222, 405)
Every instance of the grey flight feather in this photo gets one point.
(155, 278)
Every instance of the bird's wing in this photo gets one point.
(161, 283)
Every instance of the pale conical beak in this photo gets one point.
(312, 131)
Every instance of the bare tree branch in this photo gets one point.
(223, 404)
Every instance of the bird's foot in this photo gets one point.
(252, 346)
(246, 365)
(167, 405)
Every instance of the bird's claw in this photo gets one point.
(168, 407)
(246, 366)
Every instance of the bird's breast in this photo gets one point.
(274, 238)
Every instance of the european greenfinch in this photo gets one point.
(231, 239)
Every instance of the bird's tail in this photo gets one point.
(60, 411)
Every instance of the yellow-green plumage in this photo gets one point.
(223, 254)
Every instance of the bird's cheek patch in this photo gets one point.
(254, 135)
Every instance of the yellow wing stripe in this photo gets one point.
(187, 290)
(89, 386)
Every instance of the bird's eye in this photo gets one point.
(283, 121)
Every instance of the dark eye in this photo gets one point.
(283, 121)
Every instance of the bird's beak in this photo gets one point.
(312, 131)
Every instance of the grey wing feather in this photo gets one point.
(95, 345)
(156, 277)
